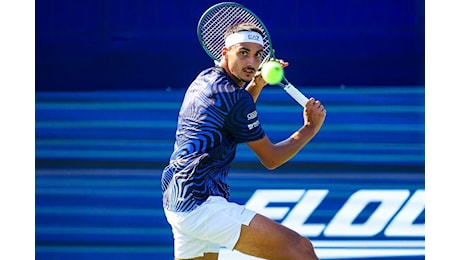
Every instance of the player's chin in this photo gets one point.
(248, 76)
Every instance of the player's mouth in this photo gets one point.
(249, 70)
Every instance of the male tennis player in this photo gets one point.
(218, 112)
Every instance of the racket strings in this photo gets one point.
(215, 22)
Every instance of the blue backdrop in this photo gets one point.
(143, 44)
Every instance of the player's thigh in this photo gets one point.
(268, 239)
(207, 256)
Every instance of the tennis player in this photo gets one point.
(218, 112)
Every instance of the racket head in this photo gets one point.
(217, 18)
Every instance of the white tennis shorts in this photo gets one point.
(214, 223)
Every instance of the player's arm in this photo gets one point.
(258, 83)
(274, 155)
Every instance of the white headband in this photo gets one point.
(243, 36)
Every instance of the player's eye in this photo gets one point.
(244, 52)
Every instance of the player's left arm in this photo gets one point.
(274, 155)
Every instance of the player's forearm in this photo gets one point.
(254, 90)
(288, 148)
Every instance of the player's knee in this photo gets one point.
(304, 249)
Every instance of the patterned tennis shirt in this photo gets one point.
(215, 116)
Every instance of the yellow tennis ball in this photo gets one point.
(272, 72)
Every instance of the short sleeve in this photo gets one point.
(242, 121)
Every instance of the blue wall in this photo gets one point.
(376, 129)
(99, 156)
(134, 44)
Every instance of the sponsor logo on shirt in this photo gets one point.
(252, 115)
(253, 125)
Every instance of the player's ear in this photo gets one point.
(224, 54)
(224, 51)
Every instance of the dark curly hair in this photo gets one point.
(240, 27)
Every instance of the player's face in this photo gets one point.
(244, 60)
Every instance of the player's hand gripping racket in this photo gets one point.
(211, 29)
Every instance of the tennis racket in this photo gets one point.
(211, 29)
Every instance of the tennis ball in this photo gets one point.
(272, 72)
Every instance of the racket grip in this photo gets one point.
(296, 94)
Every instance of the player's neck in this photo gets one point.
(240, 83)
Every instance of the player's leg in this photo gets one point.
(268, 239)
(207, 256)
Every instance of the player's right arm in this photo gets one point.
(258, 83)
(274, 155)
(255, 86)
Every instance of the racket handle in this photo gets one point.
(296, 94)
